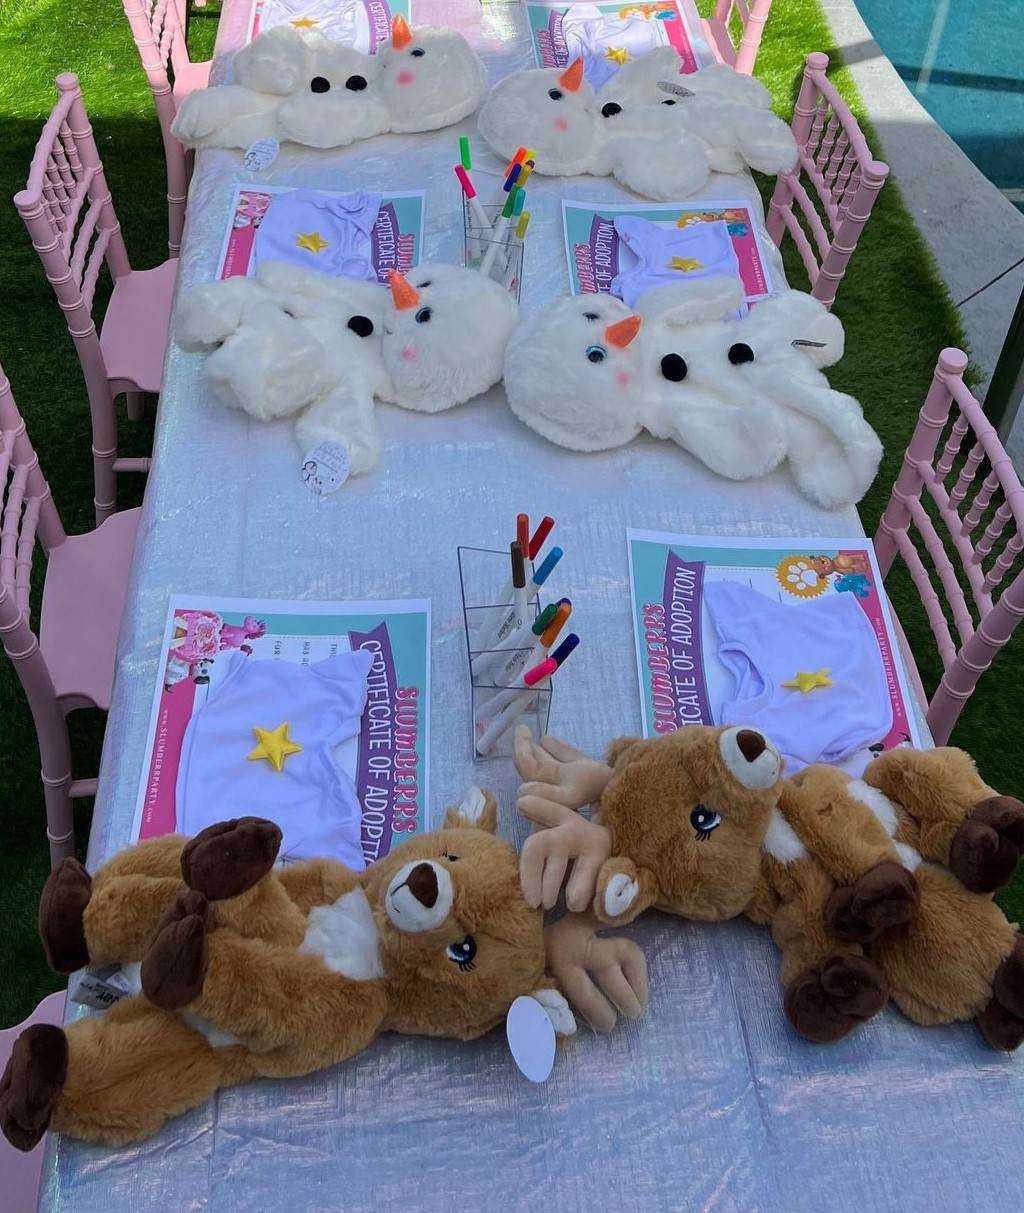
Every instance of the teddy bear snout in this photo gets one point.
(419, 897)
(422, 883)
(750, 758)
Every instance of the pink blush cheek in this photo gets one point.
(409, 354)
(405, 77)
(561, 124)
(623, 378)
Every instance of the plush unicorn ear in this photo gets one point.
(401, 34)
(403, 293)
(622, 332)
(572, 77)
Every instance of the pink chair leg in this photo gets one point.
(834, 266)
(751, 38)
(803, 116)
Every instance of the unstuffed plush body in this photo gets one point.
(741, 395)
(253, 971)
(873, 888)
(295, 342)
(298, 85)
(660, 144)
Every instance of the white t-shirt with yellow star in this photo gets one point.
(605, 41)
(228, 769)
(329, 233)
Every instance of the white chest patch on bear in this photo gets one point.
(781, 841)
(344, 936)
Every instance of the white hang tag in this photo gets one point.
(531, 1038)
(325, 468)
(259, 156)
(677, 90)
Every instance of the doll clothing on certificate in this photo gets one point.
(343, 21)
(671, 256)
(311, 798)
(319, 232)
(765, 644)
(606, 41)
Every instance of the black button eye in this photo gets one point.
(673, 368)
(423, 315)
(362, 326)
(704, 821)
(596, 353)
(610, 109)
(591, 316)
(555, 94)
(355, 84)
(740, 353)
(321, 85)
(417, 52)
(669, 101)
(462, 953)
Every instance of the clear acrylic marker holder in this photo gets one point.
(482, 574)
(507, 261)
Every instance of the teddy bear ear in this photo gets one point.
(624, 750)
(479, 810)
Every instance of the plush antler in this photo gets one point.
(557, 773)
(600, 977)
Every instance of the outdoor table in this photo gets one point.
(710, 1101)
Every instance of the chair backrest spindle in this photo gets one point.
(752, 15)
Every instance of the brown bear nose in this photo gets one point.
(751, 744)
(422, 884)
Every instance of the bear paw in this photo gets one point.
(174, 967)
(32, 1083)
(986, 849)
(227, 859)
(885, 897)
(824, 1003)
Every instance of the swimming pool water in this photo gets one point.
(962, 60)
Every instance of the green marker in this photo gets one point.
(540, 624)
(464, 154)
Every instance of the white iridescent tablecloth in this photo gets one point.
(710, 1102)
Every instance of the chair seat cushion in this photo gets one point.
(83, 598)
(135, 328)
(189, 78)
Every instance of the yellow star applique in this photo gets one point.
(685, 265)
(617, 54)
(804, 681)
(312, 242)
(304, 23)
(275, 746)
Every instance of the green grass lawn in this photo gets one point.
(896, 311)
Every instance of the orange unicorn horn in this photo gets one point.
(622, 332)
(401, 34)
(572, 77)
(403, 292)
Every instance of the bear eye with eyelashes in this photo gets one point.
(319, 85)
(449, 857)
(462, 953)
(417, 52)
(591, 316)
(423, 315)
(555, 94)
(596, 353)
(704, 821)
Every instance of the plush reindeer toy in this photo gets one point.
(250, 970)
(873, 888)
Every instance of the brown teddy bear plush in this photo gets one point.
(250, 970)
(873, 888)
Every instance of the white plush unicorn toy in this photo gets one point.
(657, 132)
(296, 343)
(298, 85)
(741, 395)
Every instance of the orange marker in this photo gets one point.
(550, 635)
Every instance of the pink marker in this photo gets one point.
(539, 672)
(540, 534)
(479, 214)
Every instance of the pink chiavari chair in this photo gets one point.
(158, 27)
(67, 209)
(68, 661)
(22, 1171)
(978, 497)
(752, 15)
(842, 173)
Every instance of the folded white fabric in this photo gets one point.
(318, 231)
